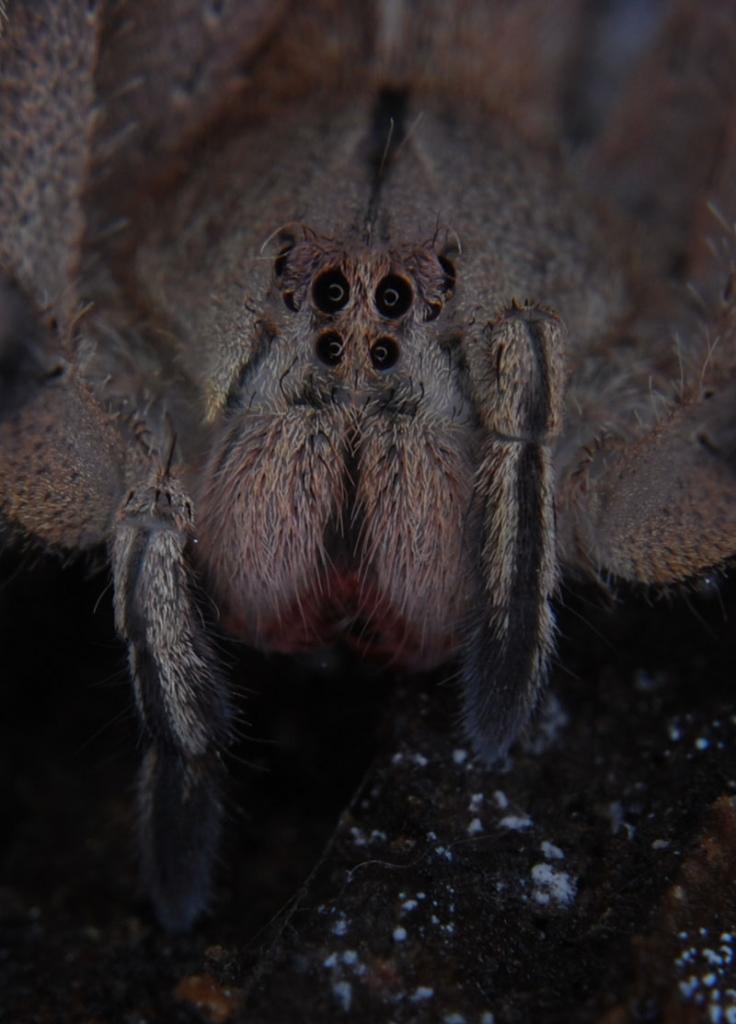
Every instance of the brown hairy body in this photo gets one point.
(351, 347)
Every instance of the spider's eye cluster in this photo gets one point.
(393, 296)
(331, 291)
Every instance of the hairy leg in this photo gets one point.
(516, 368)
(64, 462)
(654, 498)
(180, 695)
(661, 507)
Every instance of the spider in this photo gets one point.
(304, 309)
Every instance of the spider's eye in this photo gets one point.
(393, 296)
(329, 348)
(384, 353)
(330, 291)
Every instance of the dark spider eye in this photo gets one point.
(384, 353)
(329, 348)
(330, 291)
(393, 296)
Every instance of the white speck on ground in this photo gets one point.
(331, 961)
(712, 957)
(551, 886)
(551, 721)
(421, 760)
(701, 743)
(502, 801)
(476, 802)
(707, 975)
(453, 1018)
(616, 815)
(358, 836)
(516, 822)
(660, 844)
(459, 756)
(350, 957)
(340, 927)
(399, 934)
(442, 851)
(689, 986)
(550, 851)
(343, 992)
(361, 839)
(475, 827)
(421, 993)
(409, 905)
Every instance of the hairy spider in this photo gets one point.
(301, 305)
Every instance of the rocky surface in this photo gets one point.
(373, 870)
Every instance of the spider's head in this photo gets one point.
(337, 489)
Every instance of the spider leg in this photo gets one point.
(63, 466)
(662, 508)
(180, 695)
(655, 502)
(61, 458)
(516, 369)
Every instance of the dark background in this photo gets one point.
(636, 751)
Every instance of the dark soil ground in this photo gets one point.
(372, 870)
